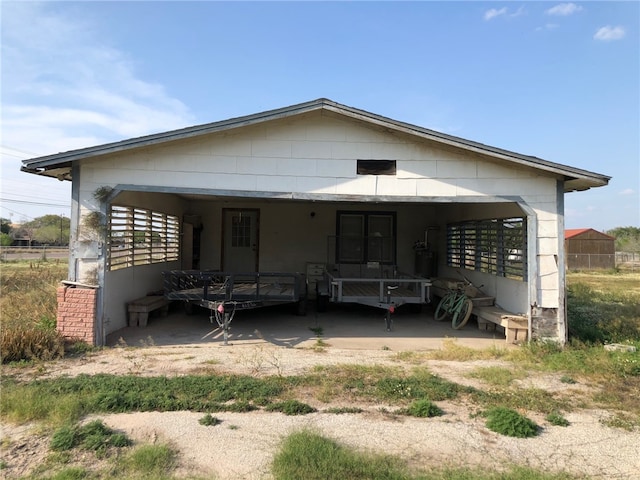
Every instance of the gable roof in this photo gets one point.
(59, 165)
(574, 232)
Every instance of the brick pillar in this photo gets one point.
(77, 312)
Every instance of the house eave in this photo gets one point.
(575, 179)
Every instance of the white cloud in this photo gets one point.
(504, 11)
(609, 33)
(519, 12)
(564, 9)
(63, 88)
(548, 26)
(491, 14)
(627, 191)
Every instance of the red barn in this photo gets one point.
(588, 249)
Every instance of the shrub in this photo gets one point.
(28, 304)
(153, 460)
(341, 410)
(555, 418)
(510, 423)
(423, 408)
(291, 407)
(64, 439)
(208, 420)
(95, 436)
(29, 292)
(29, 342)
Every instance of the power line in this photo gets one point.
(33, 196)
(20, 156)
(24, 152)
(18, 213)
(42, 204)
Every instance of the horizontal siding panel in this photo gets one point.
(364, 185)
(317, 185)
(310, 149)
(271, 148)
(256, 165)
(435, 188)
(298, 166)
(416, 169)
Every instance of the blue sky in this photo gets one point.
(558, 80)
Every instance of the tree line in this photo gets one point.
(627, 239)
(45, 230)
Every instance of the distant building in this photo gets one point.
(588, 249)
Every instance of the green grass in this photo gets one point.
(94, 436)
(423, 408)
(291, 407)
(209, 420)
(531, 399)
(343, 410)
(507, 421)
(63, 400)
(604, 307)
(557, 419)
(501, 376)
(310, 456)
(150, 461)
(143, 462)
(28, 304)
(27, 342)
(379, 383)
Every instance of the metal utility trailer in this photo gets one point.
(384, 293)
(224, 293)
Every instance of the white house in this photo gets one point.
(269, 192)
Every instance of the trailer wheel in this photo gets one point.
(322, 303)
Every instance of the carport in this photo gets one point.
(268, 192)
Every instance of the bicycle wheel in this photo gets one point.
(462, 314)
(442, 310)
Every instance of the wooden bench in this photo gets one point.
(140, 309)
(516, 326)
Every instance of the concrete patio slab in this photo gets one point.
(343, 326)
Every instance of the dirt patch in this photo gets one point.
(242, 445)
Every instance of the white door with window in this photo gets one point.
(240, 240)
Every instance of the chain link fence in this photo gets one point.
(590, 261)
(9, 254)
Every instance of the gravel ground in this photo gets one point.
(243, 444)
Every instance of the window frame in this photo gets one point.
(494, 246)
(139, 236)
(365, 239)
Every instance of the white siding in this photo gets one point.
(317, 154)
